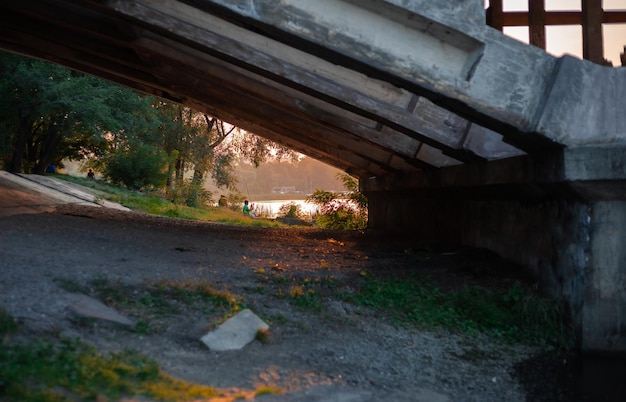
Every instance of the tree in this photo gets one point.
(138, 167)
(49, 113)
(202, 144)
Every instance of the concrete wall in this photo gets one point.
(605, 290)
(573, 248)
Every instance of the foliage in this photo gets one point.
(72, 370)
(235, 199)
(339, 211)
(167, 297)
(139, 167)
(7, 323)
(203, 144)
(190, 194)
(516, 315)
(291, 210)
(304, 293)
(49, 113)
(152, 203)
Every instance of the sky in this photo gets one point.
(568, 39)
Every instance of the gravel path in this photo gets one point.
(340, 353)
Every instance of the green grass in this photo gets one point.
(154, 204)
(153, 301)
(516, 315)
(7, 324)
(304, 293)
(72, 371)
(69, 370)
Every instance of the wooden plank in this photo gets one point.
(520, 18)
(614, 17)
(537, 23)
(592, 31)
(495, 16)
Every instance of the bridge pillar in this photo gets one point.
(604, 308)
(570, 235)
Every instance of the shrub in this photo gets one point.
(291, 210)
(341, 211)
(137, 168)
(189, 194)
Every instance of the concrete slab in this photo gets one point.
(87, 307)
(235, 333)
(74, 190)
(21, 196)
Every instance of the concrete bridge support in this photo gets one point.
(570, 234)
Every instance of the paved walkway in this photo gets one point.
(29, 193)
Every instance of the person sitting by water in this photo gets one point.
(91, 174)
(246, 209)
(223, 202)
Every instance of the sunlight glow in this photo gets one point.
(568, 39)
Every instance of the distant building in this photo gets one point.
(284, 190)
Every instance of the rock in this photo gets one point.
(235, 333)
(85, 306)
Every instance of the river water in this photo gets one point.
(270, 208)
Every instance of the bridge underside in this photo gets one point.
(457, 133)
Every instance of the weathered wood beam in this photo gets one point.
(357, 93)
(520, 18)
(537, 23)
(592, 31)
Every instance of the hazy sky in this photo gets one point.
(568, 39)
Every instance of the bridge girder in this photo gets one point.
(393, 131)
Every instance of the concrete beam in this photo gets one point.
(204, 79)
(437, 127)
(374, 99)
(470, 69)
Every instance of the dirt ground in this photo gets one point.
(340, 353)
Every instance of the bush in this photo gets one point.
(291, 210)
(189, 194)
(341, 211)
(137, 168)
(340, 215)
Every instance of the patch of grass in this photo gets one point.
(154, 204)
(516, 315)
(232, 217)
(262, 335)
(103, 187)
(71, 371)
(303, 293)
(7, 324)
(305, 297)
(268, 390)
(154, 300)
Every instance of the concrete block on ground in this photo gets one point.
(235, 333)
(85, 306)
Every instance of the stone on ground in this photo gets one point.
(235, 333)
(85, 306)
